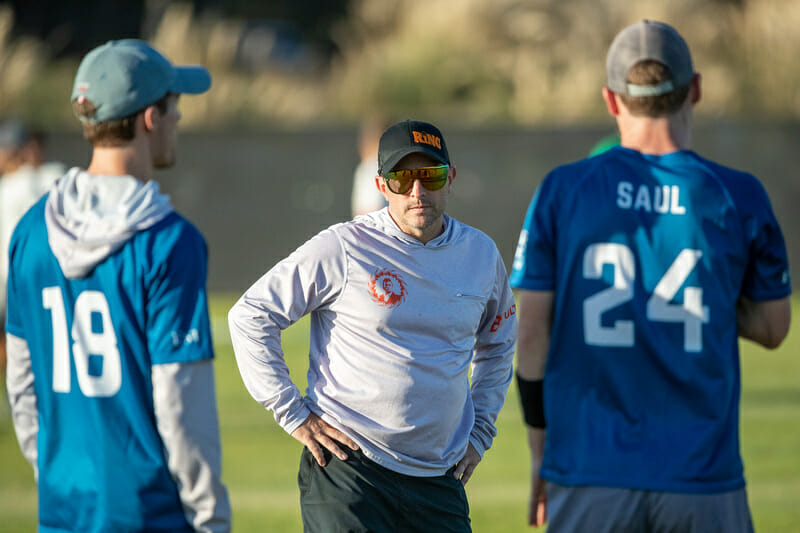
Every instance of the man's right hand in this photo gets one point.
(316, 434)
(537, 514)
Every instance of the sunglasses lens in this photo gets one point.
(432, 178)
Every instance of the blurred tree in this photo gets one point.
(312, 18)
(71, 27)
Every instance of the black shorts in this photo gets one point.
(359, 495)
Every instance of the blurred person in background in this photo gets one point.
(605, 143)
(24, 177)
(110, 374)
(366, 196)
(403, 302)
(638, 270)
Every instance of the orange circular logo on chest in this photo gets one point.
(387, 288)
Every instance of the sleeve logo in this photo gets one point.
(511, 311)
(387, 288)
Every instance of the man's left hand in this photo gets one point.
(466, 466)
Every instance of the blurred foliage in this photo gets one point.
(463, 61)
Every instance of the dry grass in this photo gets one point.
(467, 61)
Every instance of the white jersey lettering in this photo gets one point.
(661, 199)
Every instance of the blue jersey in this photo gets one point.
(92, 342)
(647, 256)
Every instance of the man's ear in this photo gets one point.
(152, 118)
(696, 89)
(451, 177)
(380, 184)
(610, 98)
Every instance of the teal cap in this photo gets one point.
(125, 76)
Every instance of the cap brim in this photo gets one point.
(191, 80)
(395, 158)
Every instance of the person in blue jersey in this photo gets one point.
(110, 375)
(637, 271)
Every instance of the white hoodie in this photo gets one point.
(395, 326)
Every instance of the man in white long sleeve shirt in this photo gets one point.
(110, 374)
(402, 301)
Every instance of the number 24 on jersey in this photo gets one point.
(692, 313)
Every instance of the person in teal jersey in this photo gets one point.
(110, 374)
(637, 271)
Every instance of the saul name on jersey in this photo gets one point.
(661, 199)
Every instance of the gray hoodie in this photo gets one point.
(396, 326)
(89, 217)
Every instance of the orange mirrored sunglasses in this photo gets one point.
(432, 178)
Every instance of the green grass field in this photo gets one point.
(260, 460)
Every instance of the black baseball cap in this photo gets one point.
(409, 137)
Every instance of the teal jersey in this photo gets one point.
(647, 256)
(92, 343)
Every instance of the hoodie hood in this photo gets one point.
(89, 217)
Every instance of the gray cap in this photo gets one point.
(653, 40)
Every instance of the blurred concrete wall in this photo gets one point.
(257, 196)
